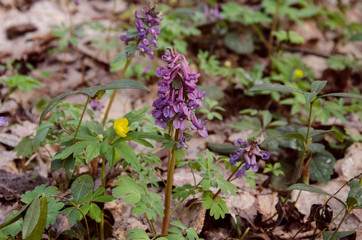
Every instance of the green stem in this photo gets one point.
(103, 185)
(101, 231)
(246, 232)
(81, 212)
(304, 151)
(152, 228)
(218, 192)
(115, 90)
(273, 28)
(168, 189)
(81, 118)
(261, 36)
(305, 143)
(340, 224)
(103, 172)
(11, 90)
(321, 232)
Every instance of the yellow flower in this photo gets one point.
(298, 73)
(121, 127)
(227, 64)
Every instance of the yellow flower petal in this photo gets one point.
(298, 73)
(121, 127)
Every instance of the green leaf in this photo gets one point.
(92, 151)
(92, 91)
(68, 164)
(127, 186)
(346, 95)
(308, 188)
(16, 217)
(316, 87)
(74, 149)
(136, 115)
(354, 195)
(225, 186)
(315, 147)
(138, 234)
(128, 154)
(321, 166)
(104, 198)
(335, 133)
(81, 187)
(277, 123)
(35, 219)
(25, 146)
(95, 212)
(183, 192)
(72, 214)
(222, 148)
(239, 43)
(274, 87)
(217, 206)
(29, 196)
(295, 38)
(98, 192)
(356, 37)
(298, 136)
(281, 35)
(328, 234)
(178, 224)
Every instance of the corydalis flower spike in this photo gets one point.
(249, 154)
(178, 96)
(147, 32)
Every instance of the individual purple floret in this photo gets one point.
(147, 32)
(3, 121)
(178, 96)
(76, 2)
(96, 104)
(249, 154)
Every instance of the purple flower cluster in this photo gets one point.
(96, 104)
(178, 96)
(215, 14)
(3, 121)
(249, 154)
(147, 32)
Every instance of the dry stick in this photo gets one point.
(168, 190)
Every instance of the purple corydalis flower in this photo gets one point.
(3, 121)
(147, 32)
(178, 96)
(216, 13)
(249, 154)
(96, 104)
(76, 2)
